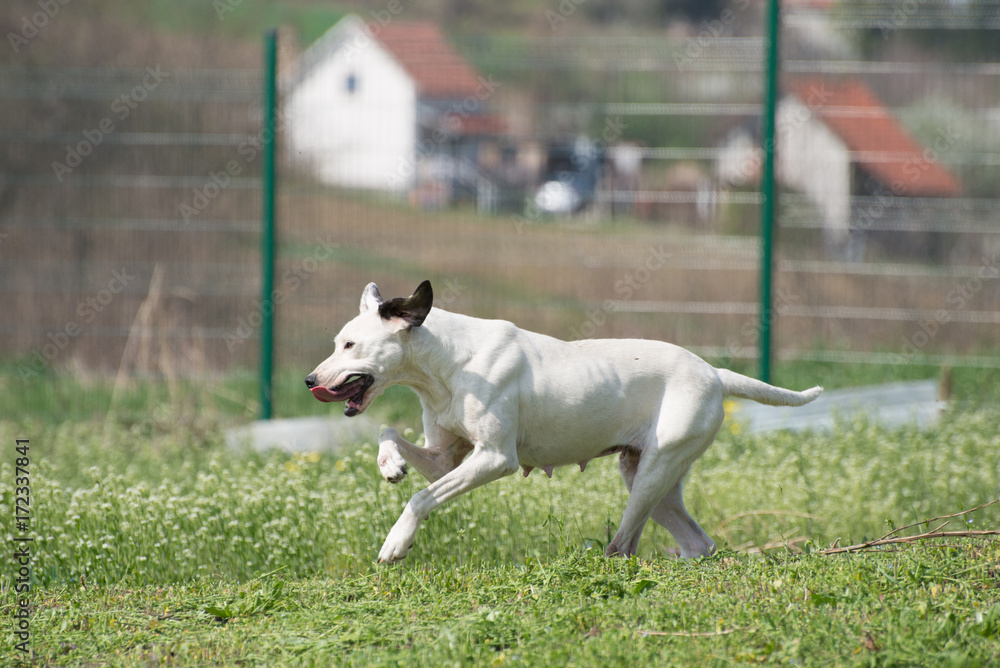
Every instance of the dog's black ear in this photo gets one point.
(412, 309)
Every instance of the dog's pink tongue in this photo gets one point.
(324, 394)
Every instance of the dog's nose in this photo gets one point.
(311, 381)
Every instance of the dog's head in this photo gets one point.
(368, 352)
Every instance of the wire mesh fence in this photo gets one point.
(127, 241)
(602, 187)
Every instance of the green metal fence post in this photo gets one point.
(769, 192)
(268, 141)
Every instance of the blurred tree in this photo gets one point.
(966, 29)
(694, 11)
(661, 12)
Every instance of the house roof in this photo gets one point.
(422, 50)
(418, 46)
(481, 124)
(877, 140)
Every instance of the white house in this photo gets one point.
(375, 106)
(835, 141)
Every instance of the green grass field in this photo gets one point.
(155, 543)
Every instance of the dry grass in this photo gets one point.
(552, 277)
(556, 277)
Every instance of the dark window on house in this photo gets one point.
(352, 83)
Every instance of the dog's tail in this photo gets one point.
(737, 385)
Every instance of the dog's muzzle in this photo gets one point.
(351, 391)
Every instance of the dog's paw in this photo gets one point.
(391, 464)
(392, 471)
(391, 554)
(399, 541)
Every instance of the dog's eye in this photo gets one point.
(348, 345)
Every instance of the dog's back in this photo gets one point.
(574, 400)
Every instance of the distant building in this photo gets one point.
(836, 141)
(391, 108)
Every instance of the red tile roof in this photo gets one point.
(880, 144)
(422, 50)
(482, 124)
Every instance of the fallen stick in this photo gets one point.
(691, 634)
(892, 539)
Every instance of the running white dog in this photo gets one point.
(496, 398)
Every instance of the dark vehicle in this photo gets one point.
(572, 172)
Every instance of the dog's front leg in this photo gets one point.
(482, 466)
(433, 461)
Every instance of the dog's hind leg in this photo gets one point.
(628, 463)
(433, 461)
(652, 474)
(671, 514)
(656, 473)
